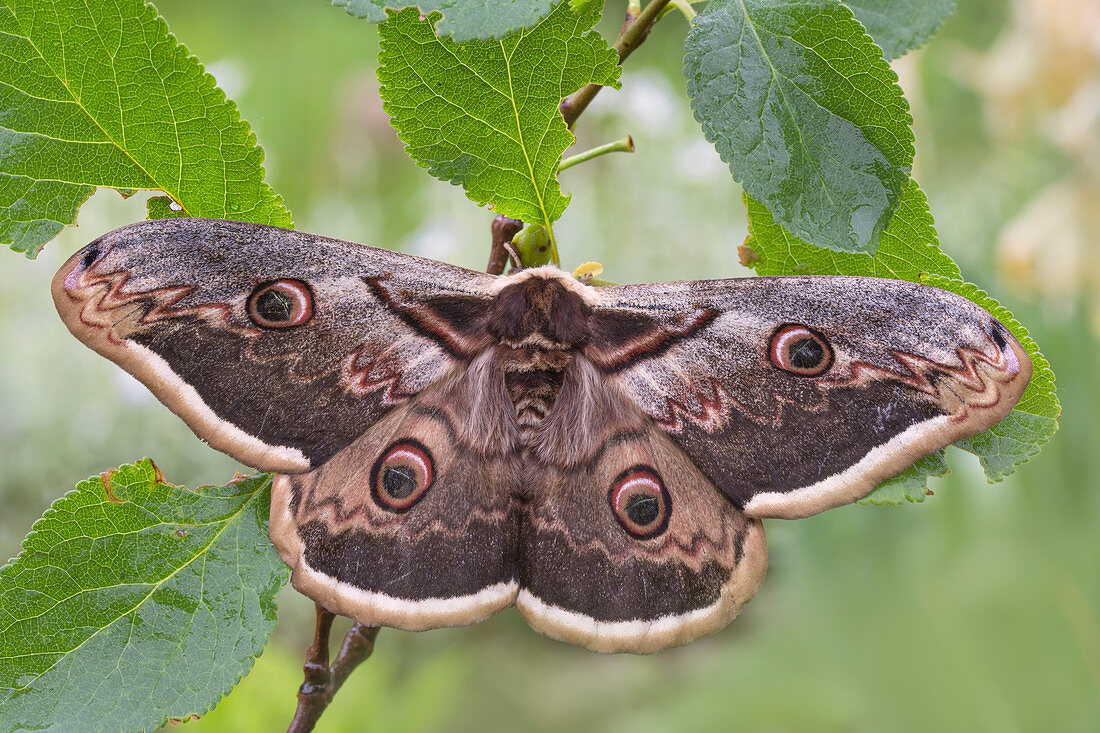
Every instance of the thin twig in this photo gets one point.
(321, 680)
(634, 32)
(636, 27)
(358, 645)
(312, 694)
(503, 230)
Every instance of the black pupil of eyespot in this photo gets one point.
(274, 306)
(90, 256)
(806, 353)
(643, 509)
(399, 481)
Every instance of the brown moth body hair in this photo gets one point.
(450, 443)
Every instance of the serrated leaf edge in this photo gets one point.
(142, 464)
(179, 49)
(909, 144)
(931, 33)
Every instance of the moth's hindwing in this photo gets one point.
(636, 551)
(406, 526)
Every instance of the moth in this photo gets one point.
(449, 443)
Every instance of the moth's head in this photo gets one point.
(542, 307)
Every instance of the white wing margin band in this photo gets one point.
(853, 483)
(184, 400)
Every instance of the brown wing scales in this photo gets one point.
(452, 442)
(407, 526)
(631, 549)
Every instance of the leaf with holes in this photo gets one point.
(134, 601)
(470, 20)
(99, 93)
(808, 115)
(910, 250)
(484, 115)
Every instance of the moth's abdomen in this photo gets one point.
(533, 393)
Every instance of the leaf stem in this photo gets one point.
(684, 6)
(635, 30)
(625, 145)
(322, 681)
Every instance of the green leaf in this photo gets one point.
(899, 26)
(468, 20)
(910, 251)
(582, 5)
(99, 93)
(909, 246)
(484, 115)
(1034, 421)
(911, 485)
(136, 602)
(800, 103)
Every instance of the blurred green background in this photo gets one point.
(976, 610)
